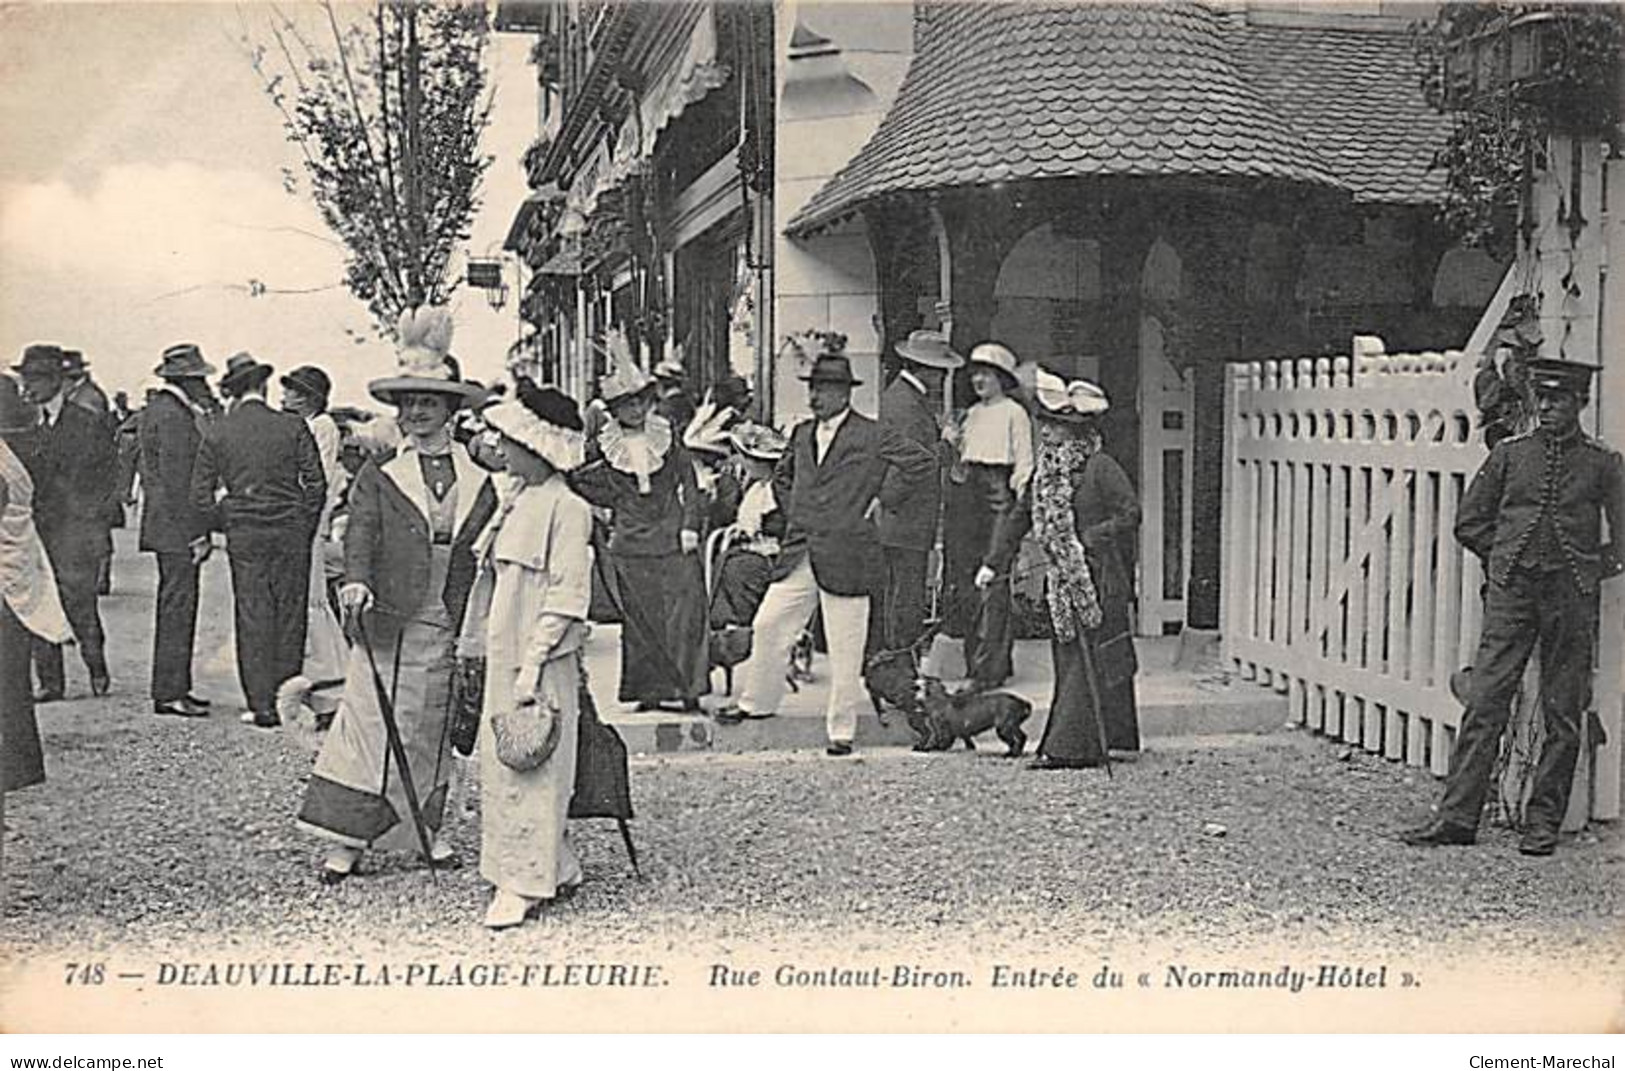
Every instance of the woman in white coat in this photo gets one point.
(527, 616)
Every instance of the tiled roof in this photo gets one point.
(1354, 97)
(1015, 91)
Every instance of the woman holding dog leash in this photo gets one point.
(1080, 507)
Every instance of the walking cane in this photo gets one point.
(397, 748)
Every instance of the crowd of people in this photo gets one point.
(370, 572)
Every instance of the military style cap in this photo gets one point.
(1553, 375)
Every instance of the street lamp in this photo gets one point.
(486, 274)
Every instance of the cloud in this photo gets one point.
(165, 227)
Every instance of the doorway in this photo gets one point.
(1167, 408)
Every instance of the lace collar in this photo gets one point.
(623, 456)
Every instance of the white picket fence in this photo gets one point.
(1344, 586)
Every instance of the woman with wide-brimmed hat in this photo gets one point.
(741, 576)
(1081, 510)
(638, 468)
(408, 564)
(995, 446)
(527, 618)
(29, 603)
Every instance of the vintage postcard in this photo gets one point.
(713, 516)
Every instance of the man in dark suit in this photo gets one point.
(74, 472)
(1534, 514)
(841, 468)
(169, 431)
(268, 464)
(908, 532)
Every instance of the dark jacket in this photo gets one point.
(1106, 516)
(913, 522)
(75, 474)
(828, 502)
(1501, 510)
(644, 525)
(268, 464)
(169, 437)
(387, 545)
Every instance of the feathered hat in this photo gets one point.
(423, 336)
(707, 432)
(544, 421)
(625, 377)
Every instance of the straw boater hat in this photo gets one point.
(625, 378)
(999, 359)
(424, 338)
(545, 422)
(757, 441)
(243, 371)
(183, 361)
(929, 348)
(1067, 403)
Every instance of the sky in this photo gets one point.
(141, 190)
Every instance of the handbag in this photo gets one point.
(467, 700)
(526, 733)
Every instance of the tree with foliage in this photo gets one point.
(387, 110)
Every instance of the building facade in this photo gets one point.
(652, 189)
(1135, 194)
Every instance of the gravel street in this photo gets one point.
(171, 836)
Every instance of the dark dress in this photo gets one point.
(1107, 515)
(661, 589)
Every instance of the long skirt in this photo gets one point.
(1074, 731)
(357, 794)
(22, 761)
(523, 846)
(663, 637)
(326, 654)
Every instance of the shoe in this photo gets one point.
(444, 857)
(183, 708)
(197, 702)
(1537, 842)
(260, 719)
(339, 864)
(507, 910)
(839, 749)
(100, 684)
(47, 697)
(1439, 832)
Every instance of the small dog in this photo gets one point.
(728, 647)
(948, 717)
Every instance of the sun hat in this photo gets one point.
(1000, 359)
(423, 336)
(757, 441)
(544, 421)
(1072, 402)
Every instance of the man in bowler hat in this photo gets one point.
(176, 532)
(72, 464)
(1533, 514)
(840, 470)
(274, 490)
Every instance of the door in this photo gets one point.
(1167, 416)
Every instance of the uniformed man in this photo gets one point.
(1534, 515)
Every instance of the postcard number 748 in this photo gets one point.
(84, 973)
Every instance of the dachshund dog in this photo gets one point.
(728, 647)
(949, 717)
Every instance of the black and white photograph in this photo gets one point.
(729, 516)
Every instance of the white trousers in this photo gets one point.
(785, 611)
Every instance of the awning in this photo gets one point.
(1009, 92)
(564, 262)
(679, 85)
